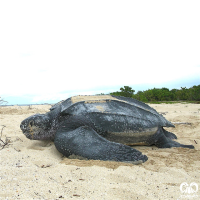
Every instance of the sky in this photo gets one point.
(48, 76)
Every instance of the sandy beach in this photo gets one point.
(36, 170)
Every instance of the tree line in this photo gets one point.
(161, 94)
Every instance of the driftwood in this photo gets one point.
(20, 107)
(187, 123)
(2, 101)
(3, 143)
(2, 130)
(163, 113)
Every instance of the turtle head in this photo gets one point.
(37, 127)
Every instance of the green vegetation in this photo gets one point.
(163, 95)
(125, 92)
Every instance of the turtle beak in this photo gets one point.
(23, 126)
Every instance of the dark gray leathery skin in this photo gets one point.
(36, 127)
(144, 106)
(161, 141)
(41, 126)
(169, 134)
(94, 128)
(116, 108)
(84, 141)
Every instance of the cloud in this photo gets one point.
(55, 74)
(54, 96)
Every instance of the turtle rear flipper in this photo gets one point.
(169, 134)
(85, 142)
(162, 141)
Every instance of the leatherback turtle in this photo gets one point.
(101, 128)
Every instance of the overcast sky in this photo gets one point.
(50, 76)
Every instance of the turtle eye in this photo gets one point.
(31, 123)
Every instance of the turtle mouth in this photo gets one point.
(32, 134)
(29, 136)
(36, 135)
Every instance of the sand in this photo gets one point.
(36, 170)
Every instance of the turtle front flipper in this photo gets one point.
(162, 141)
(86, 142)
